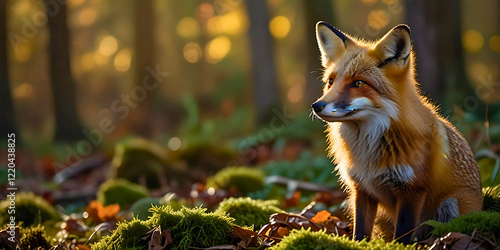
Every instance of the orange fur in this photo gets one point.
(400, 161)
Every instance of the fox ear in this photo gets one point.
(331, 42)
(395, 46)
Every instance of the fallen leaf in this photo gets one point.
(321, 217)
(98, 213)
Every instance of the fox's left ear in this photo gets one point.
(395, 46)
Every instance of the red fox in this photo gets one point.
(400, 161)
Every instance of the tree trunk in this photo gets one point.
(67, 125)
(145, 57)
(8, 124)
(317, 10)
(436, 35)
(265, 89)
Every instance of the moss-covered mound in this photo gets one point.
(485, 223)
(188, 227)
(305, 239)
(136, 158)
(248, 212)
(120, 191)
(34, 238)
(243, 178)
(29, 208)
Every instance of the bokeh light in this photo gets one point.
(472, 41)
(87, 61)
(378, 19)
(217, 49)
(23, 91)
(87, 16)
(75, 3)
(279, 26)
(192, 52)
(188, 28)
(174, 143)
(108, 45)
(369, 2)
(23, 52)
(123, 60)
(295, 93)
(494, 43)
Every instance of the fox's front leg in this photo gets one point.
(408, 217)
(365, 209)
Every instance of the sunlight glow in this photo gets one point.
(23, 53)
(174, 143)
(279, 26)
(75, 3)
(24, 90)
(378, 19)
(108, 45)
(87, 61)
(472, 41)
(123, 60)
(295, 93)
(192, 52)
(217, 49)
(188, 28)
(87, 16)
(494, 43)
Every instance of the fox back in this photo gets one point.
(399, 160)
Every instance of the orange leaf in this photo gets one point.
(321, 217)
(98, 213)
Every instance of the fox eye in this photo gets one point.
(330, 82)
(358, 83)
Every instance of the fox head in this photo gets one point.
(364, 80)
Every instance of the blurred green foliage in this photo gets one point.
(243, 178)
(120, 191)
(31, 209)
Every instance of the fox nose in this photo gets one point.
(318, 106)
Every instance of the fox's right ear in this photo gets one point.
(331, 42)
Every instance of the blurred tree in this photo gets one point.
(145, 58)
(316, 10)
(265, 88)
(67, 125)
(437, 41)
(8, 124)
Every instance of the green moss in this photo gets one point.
(193, 227)
(485, 223)
(305, 239)
(247, 212)
(244, 179)
(29, 208)
(120, 191)
(33, 238)
(126, 236)
(140, 208)
(491, 199)
(136, 157)
(189, 228)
